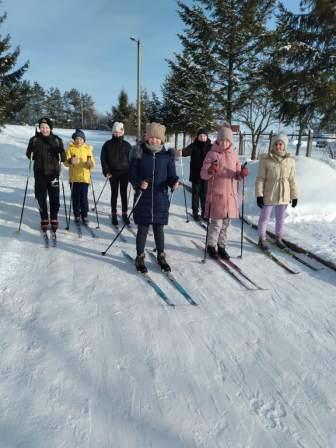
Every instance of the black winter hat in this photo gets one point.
(202, 131)
(78, 133)
(47, 121)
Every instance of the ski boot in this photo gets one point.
(280, 243)
(212, 252)
(114, 219)
(126, 219)
(140, 264)
(44, 225)
(263, 245)
(85, 220)
(77, 220)
(222, 253)
(163, 263)
(54, 225)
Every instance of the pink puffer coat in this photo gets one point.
(222, 196)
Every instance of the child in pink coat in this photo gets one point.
(222, 169)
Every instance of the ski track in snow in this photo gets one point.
(91, 356)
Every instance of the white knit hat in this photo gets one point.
(283, 137)
(117, 127)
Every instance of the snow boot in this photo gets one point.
(140, 264)
(212, 252)
(280, 243)
(114, 219)
(54, 225)
(263, 245)
(44, 225)
(126, 219)
(163, 263)
(222, 253)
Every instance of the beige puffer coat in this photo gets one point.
(276, 179)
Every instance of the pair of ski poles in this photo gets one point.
(68, 219)
(241, 217)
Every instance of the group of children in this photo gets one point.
(215, 170)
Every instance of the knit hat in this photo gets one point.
(117, 127)
(202, 131)
(281, 136)
(225, 132)
(47, 121)
(155, 130)
(78, 133)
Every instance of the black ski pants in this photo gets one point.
(198, 194)
(142, 237)
(80, 199)
(117, 180)
(47, 185)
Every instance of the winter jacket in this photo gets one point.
(47, 154)
(159, 169)
(276, 179)
(114, 156)
(222, 194)
(197, 151)
(80, 172)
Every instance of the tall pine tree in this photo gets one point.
(12, 92)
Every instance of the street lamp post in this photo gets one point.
(138, 86)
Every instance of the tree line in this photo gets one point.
(242, 61)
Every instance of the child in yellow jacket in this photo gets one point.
(80, 160)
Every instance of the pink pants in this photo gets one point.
(265, 214)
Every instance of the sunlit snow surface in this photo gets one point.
(92, 357)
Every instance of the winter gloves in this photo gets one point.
(244, 171)
(260, 201)
(214, 167)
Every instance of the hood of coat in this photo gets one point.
(276, 157)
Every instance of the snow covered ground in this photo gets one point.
(92, 357)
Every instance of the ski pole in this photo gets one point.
(25, 193)
(207, 229)
(94, 197)
(119, 233)
(62, 183)
(106, 180)
(183, 182)
(69, 221)
(242, 216)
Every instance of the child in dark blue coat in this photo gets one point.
(152, 170)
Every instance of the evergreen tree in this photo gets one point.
(124, 112)
(13, 93)
(301, 69)
(55, 106)
(233, 36)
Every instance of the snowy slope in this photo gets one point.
(92, 357)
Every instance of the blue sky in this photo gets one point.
(85, 44)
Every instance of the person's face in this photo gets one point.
(79, 141)
(202, 137)
(118, 133)
(225, 144)
(45, 129)
(279, 148)
(154, 141)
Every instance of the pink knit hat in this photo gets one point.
(225, 132)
